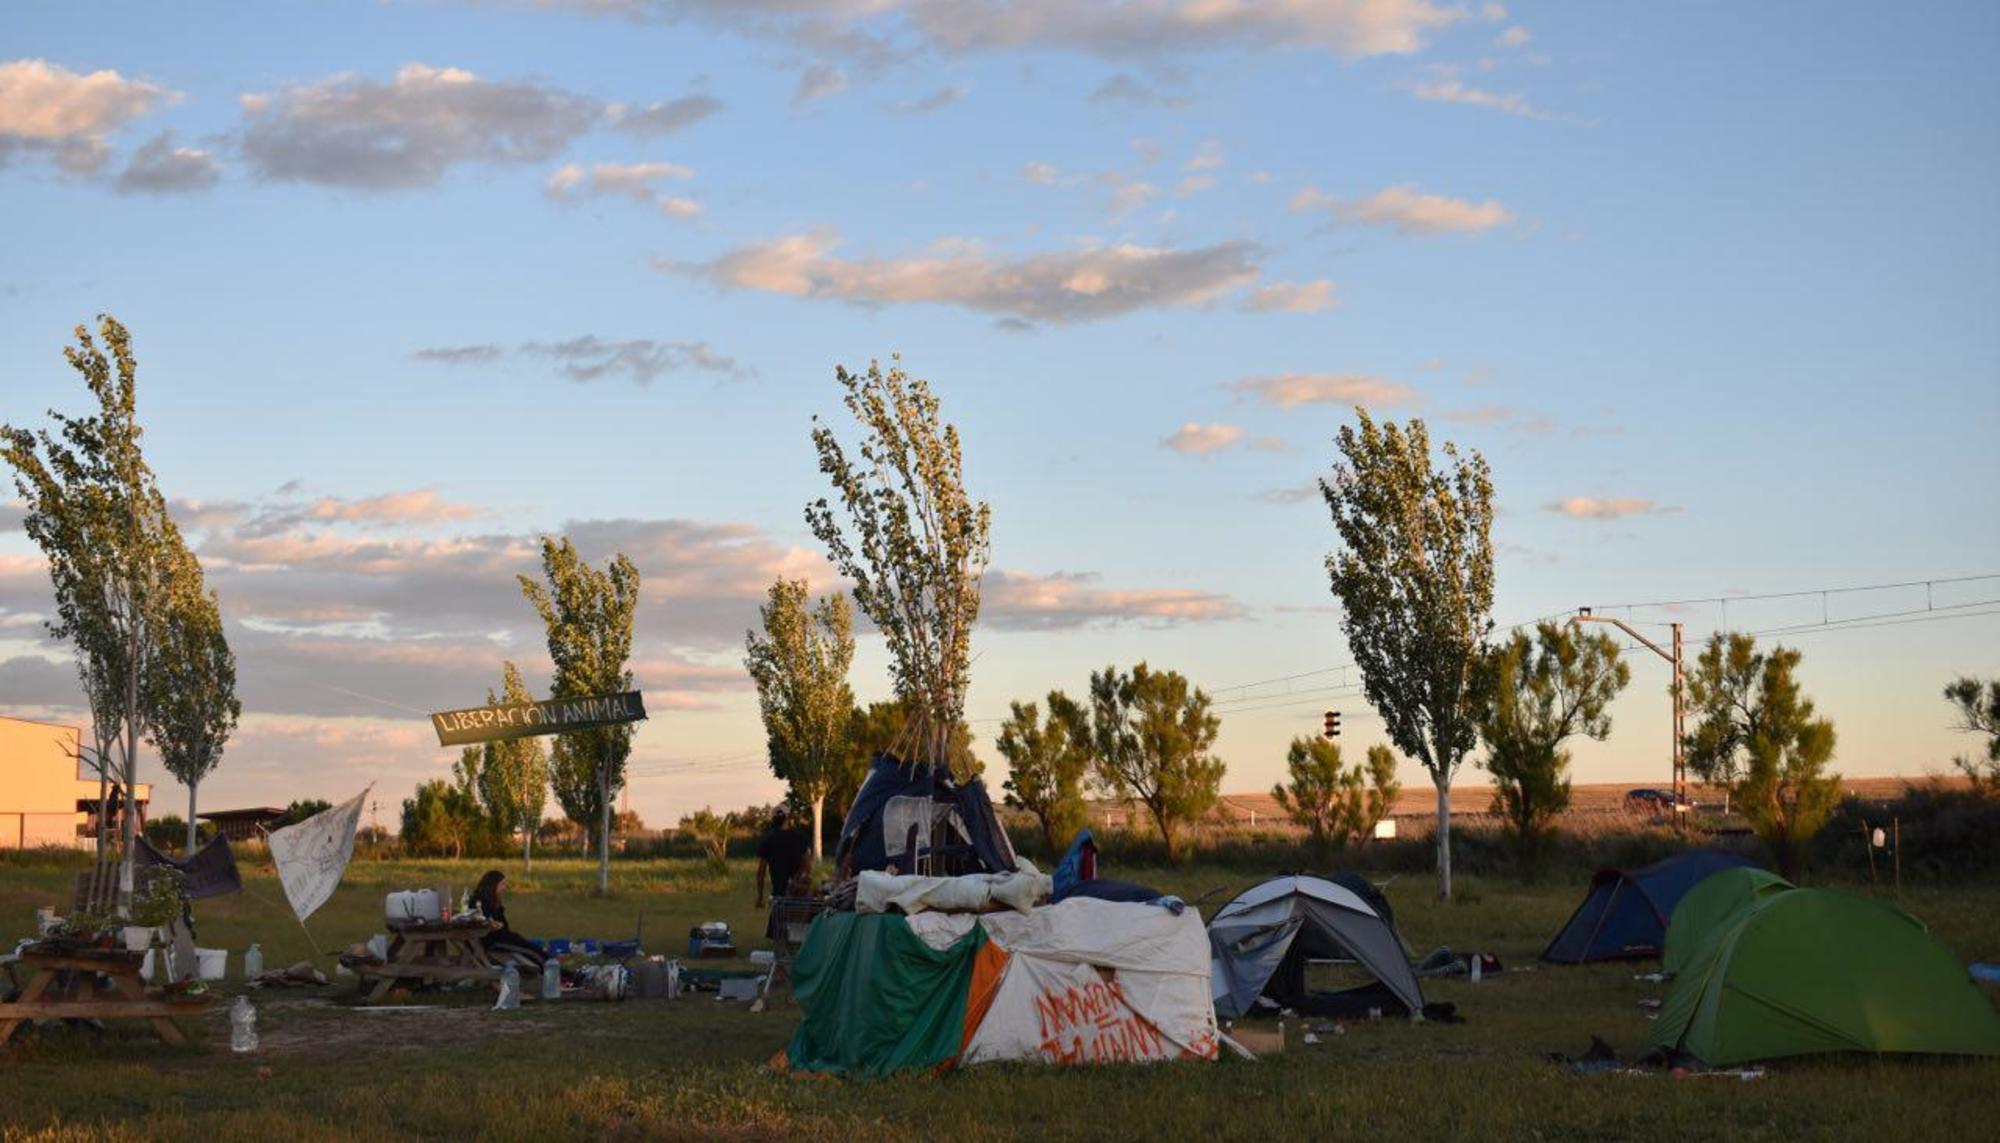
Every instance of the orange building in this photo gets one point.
(45, 796)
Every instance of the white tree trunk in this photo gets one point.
(819, 804)
(1442, 779)
(191, 833)
(604, 834)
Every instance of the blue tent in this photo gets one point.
(1625, 914)
(905, 806)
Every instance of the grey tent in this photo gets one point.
(1268, 931)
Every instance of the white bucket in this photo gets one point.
(147, 967)
(138, 938)
(211, 964)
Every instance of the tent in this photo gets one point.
(1259, 943)
(1083, 981)
(1812, 970)
(1625, 914)
(1708, 907)
(904, 806)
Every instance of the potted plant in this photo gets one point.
(159, 902)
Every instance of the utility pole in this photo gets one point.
(1673, 659)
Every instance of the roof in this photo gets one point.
(251, 814)
(69, 726)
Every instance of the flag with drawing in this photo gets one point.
(312, 855)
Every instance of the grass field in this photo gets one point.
(693, 1068)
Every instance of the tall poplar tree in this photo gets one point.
(1414, 575)
(192, 704)
(588, 615)
(800, 664)
(94, 510)
(914, 544)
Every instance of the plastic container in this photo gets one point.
(253, 963)
(551, 979)
(242, 1026)
(211, 964)
(510, 989)
(411, 905)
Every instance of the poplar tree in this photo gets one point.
(1535, 694)
(588, 616)
(800, 665)
(914, 544)
(1759, 736)
(1047, 762)
(514, 772)
(1151, 735)
(1414, 575)
(96, 513)
(192, 704)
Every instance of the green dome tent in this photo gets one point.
(1707, 909)
(1810, 970)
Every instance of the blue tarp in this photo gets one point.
(1625, 914)
(861, 839)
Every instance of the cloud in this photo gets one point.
(1127, 194)
(1195, 439)
(1012, 600)
(937, 100)
(1451, 90)
(1208, 158)
(1123, 88)
(1290, 390)
(460, 355)
(1041, 174)
(1406, 211)
(1612, 508)
(418, 506)
(1080, 285)
(1293, 297)
(657, 119)
(1351, 29)
(48, 110)
(159, 167)
(12, 515)
(640, 360)
(1296, 494)
(817, 82)
(1514, 37)
(628, 180)
(361, 134)
(1505, 416)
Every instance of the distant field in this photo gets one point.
(693, 1069)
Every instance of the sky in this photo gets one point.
(413, 283)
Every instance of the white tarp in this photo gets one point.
(877, 892)
(312, 855)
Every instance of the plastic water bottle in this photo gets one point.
(510, 989)
(253, 963)
(242, 1026)
(551, 979)
(1478, 963)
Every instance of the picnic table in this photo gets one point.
(92, 984)
(436, 952)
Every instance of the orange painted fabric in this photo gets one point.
(988, 966)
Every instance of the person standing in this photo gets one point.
(782, 855)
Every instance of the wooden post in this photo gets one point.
(1868, 845)
(1896, 854)
(604, 834)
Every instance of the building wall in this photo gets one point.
(41, 783)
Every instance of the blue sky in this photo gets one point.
(1712, 286)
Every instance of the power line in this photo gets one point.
(1807, 593)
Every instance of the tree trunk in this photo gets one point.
(1442, 780)
(527, 849)
(604, 832)
(191, 833)
(128, 863)
(1166, 835)
(819, 826)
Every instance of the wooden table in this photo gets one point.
(93, 984)
(427, 951)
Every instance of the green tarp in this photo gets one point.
(877, 999)
(1811, 970)
(1707, 908)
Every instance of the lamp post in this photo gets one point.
(1673, 659)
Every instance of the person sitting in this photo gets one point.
(503, 943)
(782, 855)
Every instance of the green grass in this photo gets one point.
(693, 1068)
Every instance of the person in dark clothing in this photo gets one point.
(782, 854)
(503, 943)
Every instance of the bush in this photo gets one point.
(1948, 834)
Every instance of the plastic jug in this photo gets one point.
(510, 989)
(242, 1026)
(253, 963)
(552, 979)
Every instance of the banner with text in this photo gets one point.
(525, 719)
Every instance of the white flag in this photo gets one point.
(313, 854)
